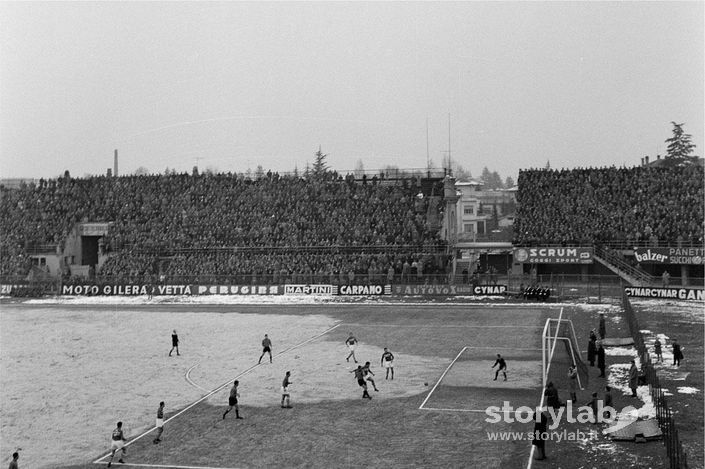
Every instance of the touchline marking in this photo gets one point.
(441, 378)
(172, 466)
(218, 389)
(190, 381)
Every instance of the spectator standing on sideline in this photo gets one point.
(601, 328)
(573, 383)
(13, 463)
(266, 348)
(540, 437)
(174, 342)
(594, 406)
(658, 351)
(633, 378)
(390, 274)
(601, 359)
(591, 351)
(677, 353)
(405, 272)
(593, 336)
(551, 393)
(608, 396)
(666, 278)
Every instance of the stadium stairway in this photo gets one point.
(612, 260)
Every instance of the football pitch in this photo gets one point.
(80, 369)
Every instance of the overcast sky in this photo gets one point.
(235, 85)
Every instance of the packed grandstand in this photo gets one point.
(329, 229)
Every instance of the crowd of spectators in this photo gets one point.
(155, 218)
(286, 228)
(642, 205)
(263, 267)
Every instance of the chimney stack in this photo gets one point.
(115, 164)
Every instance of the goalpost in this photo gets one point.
(561, 330)
(555, 331)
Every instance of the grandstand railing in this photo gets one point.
(268, 279)
(589, 288)
(498, 235)
(617, 260)
(427, 248)
(21, 287)
(631, 244)
(42, 249)
(616, 244)
(592, 288)
(396, 173)
(676, 455)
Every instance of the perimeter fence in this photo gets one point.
(677, 458)
(586, 288)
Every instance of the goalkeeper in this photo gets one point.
(502, 367)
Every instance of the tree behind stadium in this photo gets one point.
(680, 148)
(319, 166)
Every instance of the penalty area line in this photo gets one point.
(439, 409)
(214, 391)
(441, 326)
(441, 378)
(506, 348)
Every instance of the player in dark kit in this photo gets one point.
(266, 348)
(13, 463)
(117, 443)
(502, 367)
(159, 423)
(232, 401)
(285, 391)
(174, 343)
(360, 376)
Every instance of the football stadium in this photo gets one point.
(106, 277)
(332, 235)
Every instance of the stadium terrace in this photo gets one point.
(423, 232)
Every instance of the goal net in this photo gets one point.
(559, 346)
